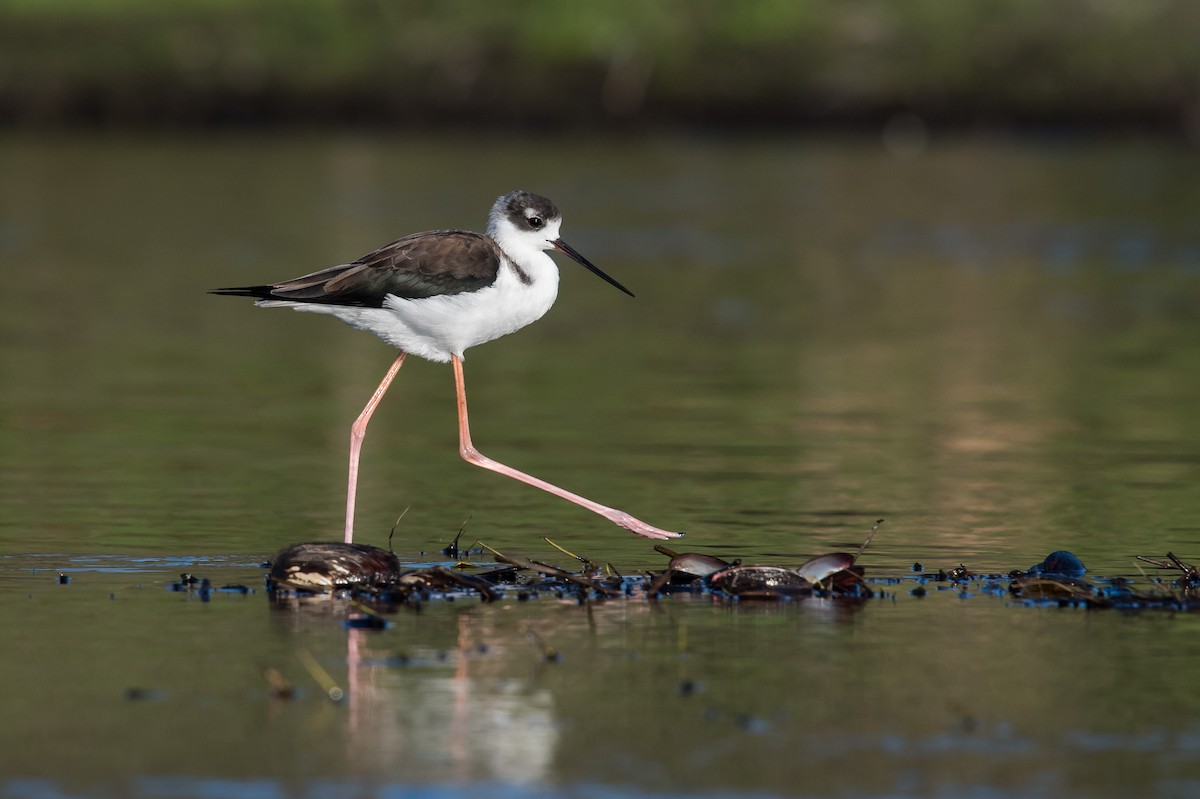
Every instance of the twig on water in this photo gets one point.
(395, 524)
(320, 676)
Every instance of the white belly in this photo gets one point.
(437, 327)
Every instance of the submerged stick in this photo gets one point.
(565, 551)
(670, 553)
(589, 568)
(395, 524)
(549, 653)
(867, 543)
(319, 675)
(452, 550)
(549, 571)
(281, 687)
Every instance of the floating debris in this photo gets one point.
(834, 572)
(369, 572)
(320, 676)
(838, 570)
(451, 550)
(760, 582)
(690, 565)
(366, 620)
(959, 574)
(581, 585)
(377, 584)
(1189, 578)
(698, 565)
(1042, 586)
(1060, 564)
(186, 582)
(685, 569)
(280, 686)
(1057, 589)
(824, 567)
(439, 578)
(549, 653)
(328, 566)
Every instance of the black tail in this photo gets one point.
(258, 292)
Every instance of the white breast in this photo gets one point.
(437, 327)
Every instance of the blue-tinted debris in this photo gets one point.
(1058, 589)
(755, 725)
(189, 582)
(1062, 564)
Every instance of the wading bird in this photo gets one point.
(435, 294)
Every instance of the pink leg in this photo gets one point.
(357, 432)
(472, 455)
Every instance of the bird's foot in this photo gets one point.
(639, 527)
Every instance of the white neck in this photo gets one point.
(527, 249)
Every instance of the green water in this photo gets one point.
(994, 345)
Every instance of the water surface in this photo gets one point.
(993, 345)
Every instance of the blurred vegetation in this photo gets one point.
(601, 62)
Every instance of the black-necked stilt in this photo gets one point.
(437, 293)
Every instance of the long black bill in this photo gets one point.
(562, 246)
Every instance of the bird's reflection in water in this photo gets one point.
(441, 715)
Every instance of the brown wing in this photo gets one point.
(416, 266)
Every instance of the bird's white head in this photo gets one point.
(524, 224)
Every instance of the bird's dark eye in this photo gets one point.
(535, 222)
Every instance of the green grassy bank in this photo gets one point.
(602, 62)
